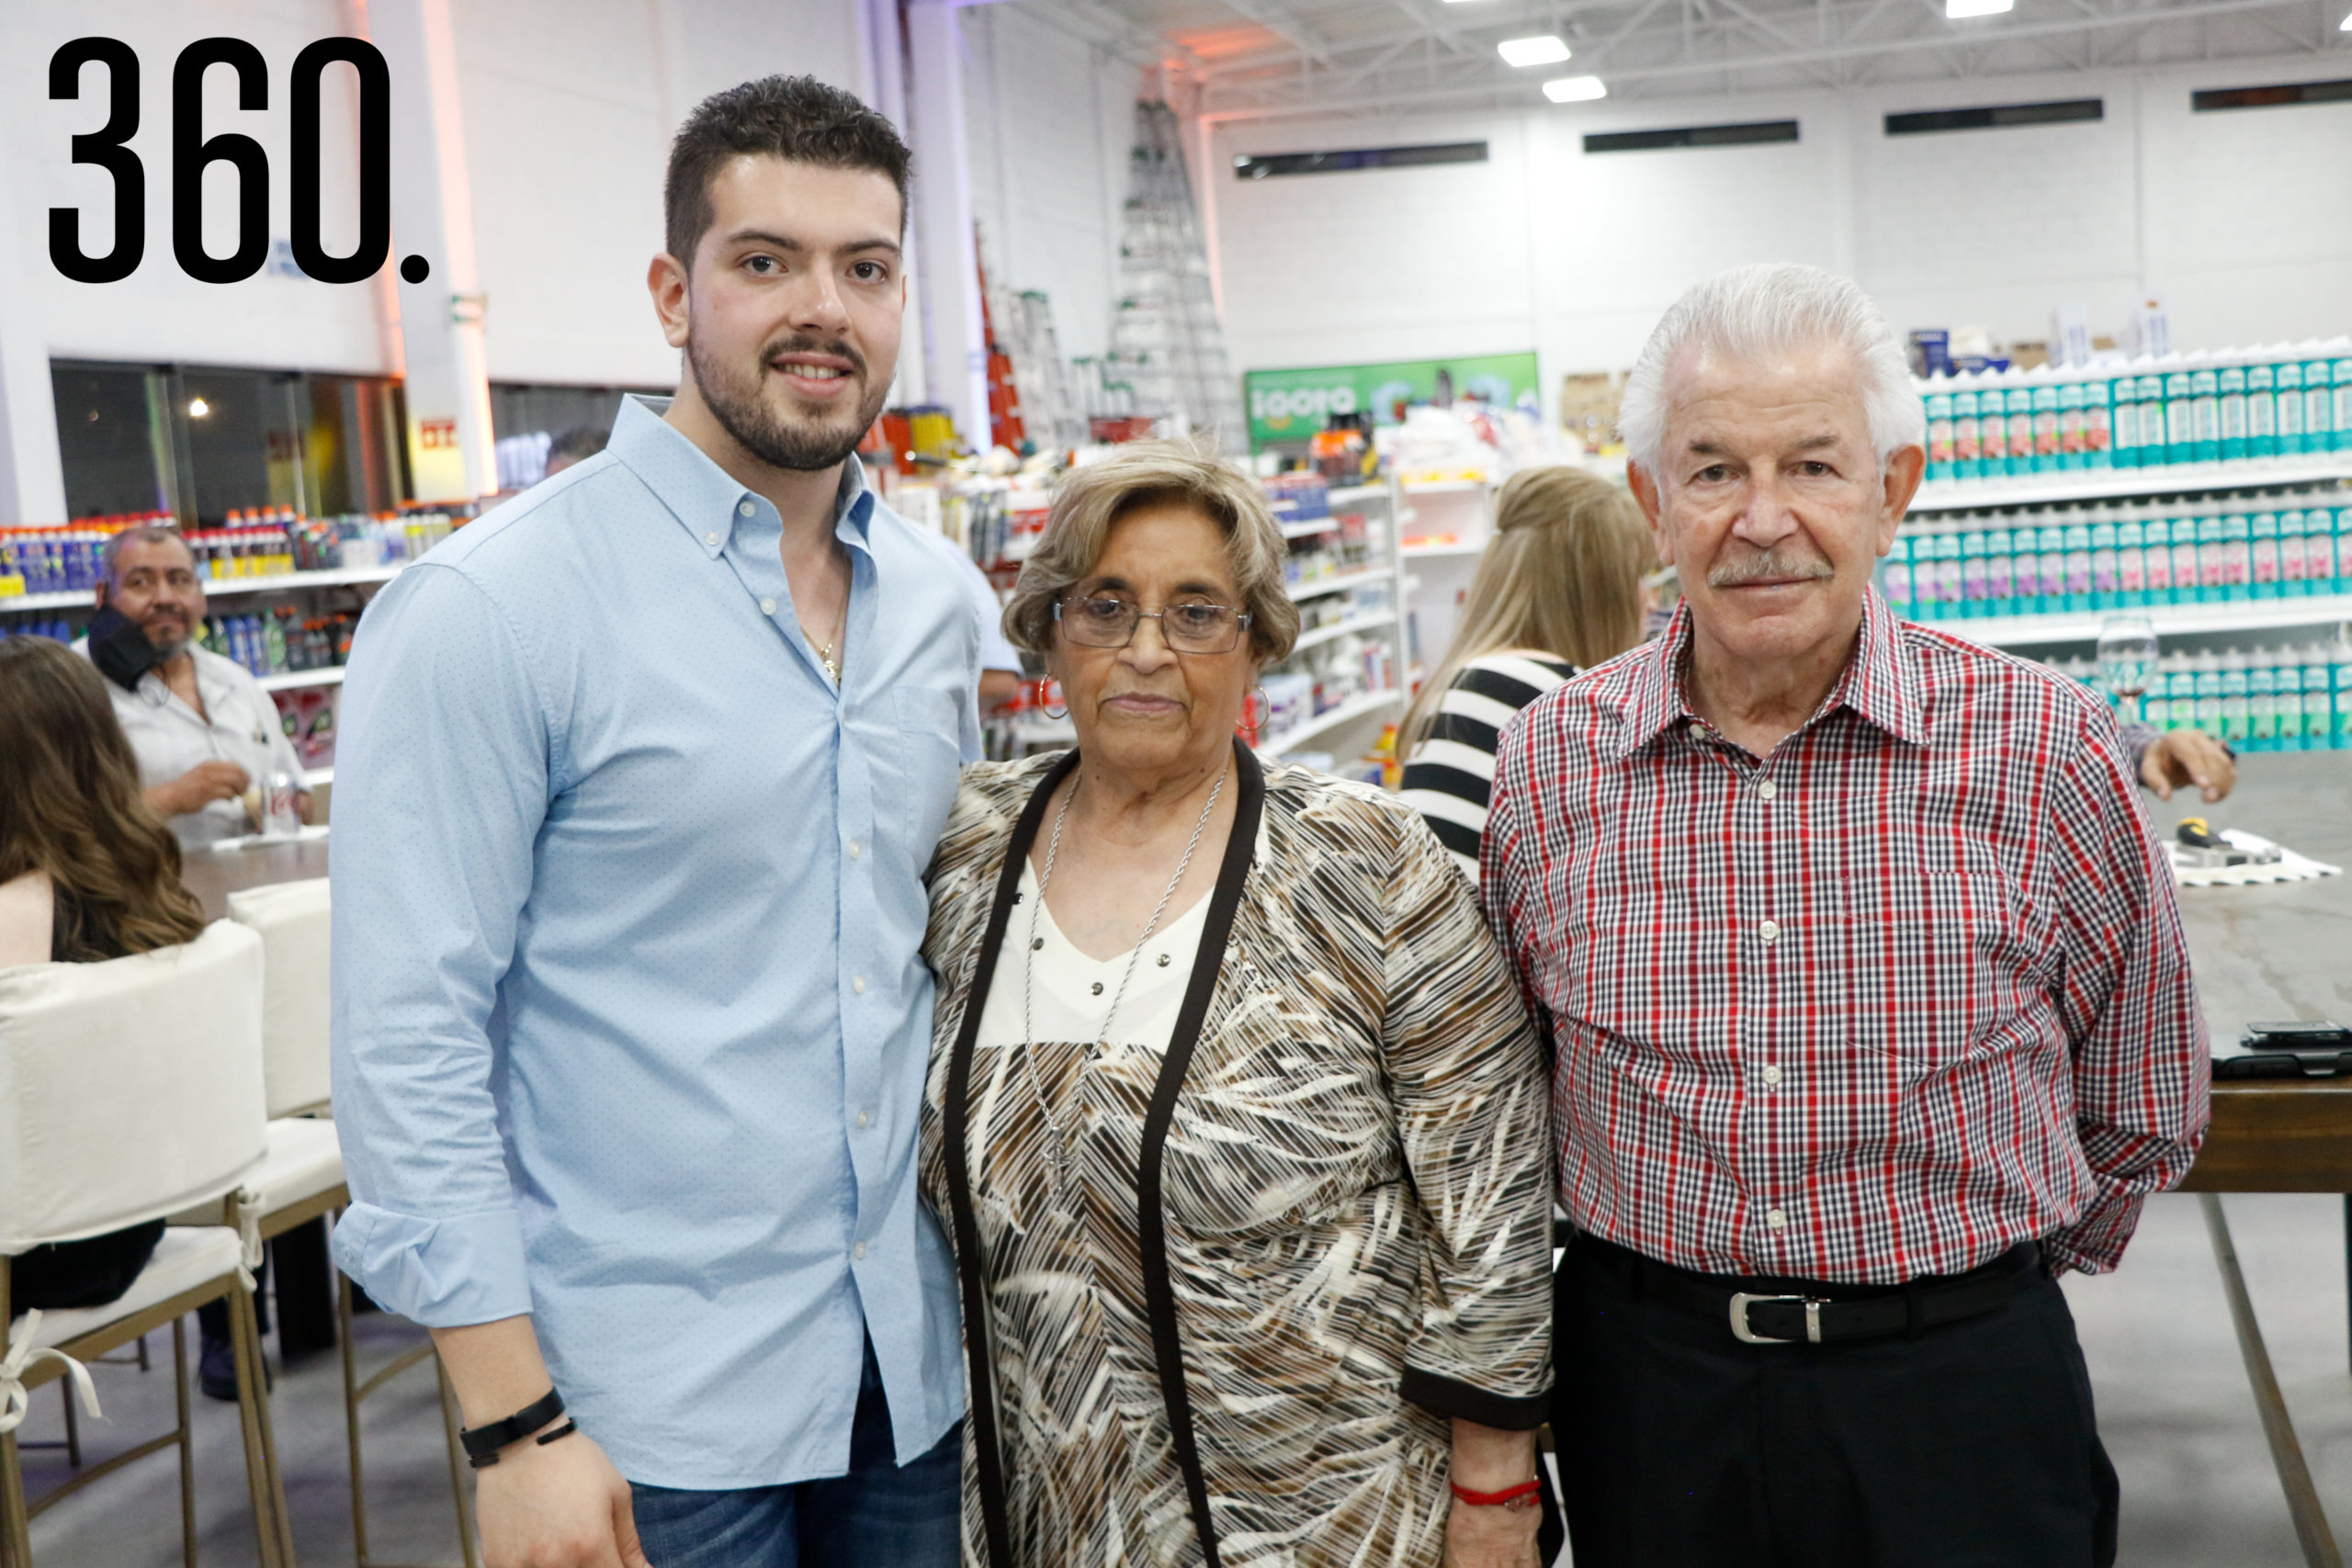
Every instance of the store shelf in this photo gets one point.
(1311, 527)
(295, 679)
(2170, 620)
(1340, 583)
(1416, 551)
(2115, 484)
(1317, 636)
(317, 776)
(1348, 495)
(222, 588)
(1346, 711)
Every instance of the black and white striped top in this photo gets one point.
(1447, 776)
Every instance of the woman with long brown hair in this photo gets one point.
(87, 873)
(1558, 590)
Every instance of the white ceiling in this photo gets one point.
(1266, 58)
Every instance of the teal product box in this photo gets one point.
(2233, 384)
(1939, 435)
(2262, 554)
(2123, 418)
(2180, 419)
(2017, 402)
(2099, 423)
(1895, 578)
(2001, 572)
(2049, 446)
(2106, 584)
(2319, 407)
(1972, 573)
(2050, 581)
(2078, 567)
(2131, 565)
(2185, 569)
(2209, 559)
(2205, 414)
(2261, 410)
(1966, 444)
(2290, 402)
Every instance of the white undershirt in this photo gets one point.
(1073, 992)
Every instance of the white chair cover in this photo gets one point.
(129, 1090)
(292, 919)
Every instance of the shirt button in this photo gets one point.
(857, 983)
(858, 1251)
(1769, 930)
(742, 509)
(710, 539)
(767, 607)
(853, 850)
(1766, 789)
(862, 1118)
(1773, 1220)
(1772, 1078)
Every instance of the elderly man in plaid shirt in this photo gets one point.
(1872, 1008)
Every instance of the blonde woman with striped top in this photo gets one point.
(1558, 590)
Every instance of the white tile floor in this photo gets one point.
(2199, 1491)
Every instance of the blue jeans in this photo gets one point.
(881, 1513)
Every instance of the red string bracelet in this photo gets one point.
(1523, 1495)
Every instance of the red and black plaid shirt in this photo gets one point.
(1904, 993)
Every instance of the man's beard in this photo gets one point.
(167, 647)
(736, 404)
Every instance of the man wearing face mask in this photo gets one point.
(638, 778)
(204, 731)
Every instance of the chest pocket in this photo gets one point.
(929, 750)
(1947, 960)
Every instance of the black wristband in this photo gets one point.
(483, 1443)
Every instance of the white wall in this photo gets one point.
(1049, 122)
(2238, 219)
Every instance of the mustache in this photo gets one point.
(804, 343)
(1774, 562)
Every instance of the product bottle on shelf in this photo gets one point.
(2016, 398)
(2319, 401)
(1939, 432)
(2131, 562)
(2049, 446)
(2181, 530)
(2340, 373)
(2078, 567)
(1895, 578)
(2263, 570)
(2180, 412)
(2106, 585)
(2287, 696)
(2182, 689)
(2209, 692)
(2289, 373)
(1967, 446)
(2072, 447)
(2232, 378)
(2293, 559)
(2235, 713)
(2123, 394)
(2340, 731)
(2205, 409)
(2261, 407)
(2098, 424)
(2000, 573)
(1947, 575)
(1972, 591)
(2237, 563)
(2262, 701)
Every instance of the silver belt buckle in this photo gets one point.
(1741, 1301)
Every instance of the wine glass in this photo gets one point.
(2127, 658)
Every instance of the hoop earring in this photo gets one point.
(1057, 718)
(1265, 709)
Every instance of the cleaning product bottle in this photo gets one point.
(2070, 418)
(1972, 573)
(1967, 446)
(2183, 690)
(1947, 575)
(2209, 692)
(2001, 572)
(2339, 734)
(2291, 557)
(2261, 406)
(2180, 412)
(1939, 436)
(2187, 573)
(2123, 418)
(2319, 401)
(2340, 373)
(2237, 553)
(2016, 398)
(2098, 423)
(2131, 562)
(2263, 570)
(2318, 718)
(2290, 371)
(2234, 713)
(2107, 588)
(2049, 587)
(2262, 701)
(2232, 385)
(1895, 578)
(2205, 408)
(2049, 446)
(2287, 696)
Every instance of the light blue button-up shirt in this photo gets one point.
(630, 1023)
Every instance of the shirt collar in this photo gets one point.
(706, 501)
(1879, 683)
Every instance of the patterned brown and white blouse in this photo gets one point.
(1349, 1139)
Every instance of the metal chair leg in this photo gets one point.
(283, 1522)
(16, 1542)
(187, 1447)
(72, 1425)
(457, 1493)
(250, 1392)
(351, 1416)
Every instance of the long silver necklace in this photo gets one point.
(1062, 1143)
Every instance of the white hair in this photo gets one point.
(1752, 312)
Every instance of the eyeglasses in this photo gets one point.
(1105, 622)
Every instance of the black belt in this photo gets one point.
(1774, 1312)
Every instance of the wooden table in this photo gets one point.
(213, 874)
(2264, 954)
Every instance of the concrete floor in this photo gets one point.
(2199, 1491)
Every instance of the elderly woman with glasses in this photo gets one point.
(1234, 1120)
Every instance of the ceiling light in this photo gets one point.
(1574, 89)
(1957, 10)
(197, 408)
(2345, 25)
(1545, 51)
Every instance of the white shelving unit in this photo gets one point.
(2170, 620)
(1334, 724)
(294, 679)
(220, 588)
(2120, 484)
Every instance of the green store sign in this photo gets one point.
(1287, 407)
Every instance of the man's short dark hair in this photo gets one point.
(795, 117)
(143, 533)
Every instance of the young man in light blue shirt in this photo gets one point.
(640, 776)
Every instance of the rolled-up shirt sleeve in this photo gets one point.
(2142, 1063)
(1474, 1116)
(442, 772)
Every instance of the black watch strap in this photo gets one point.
(483, 1443)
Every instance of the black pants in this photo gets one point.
(1972, 1444)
